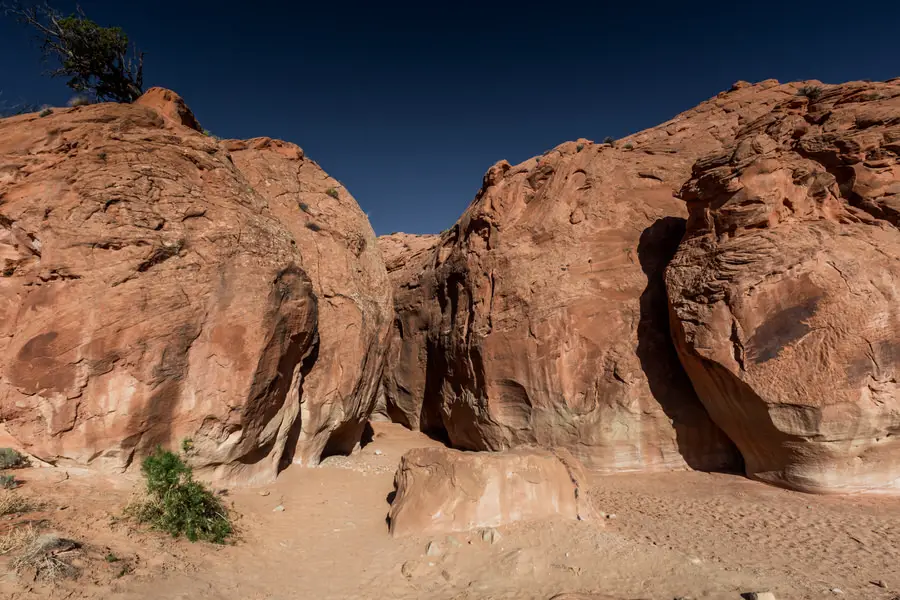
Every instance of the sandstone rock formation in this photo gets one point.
(546, 310)
(784, 293)
(405, 257)
(441, 490)
(348, 276)
(170, 106)
(545, 306)
(152, 291)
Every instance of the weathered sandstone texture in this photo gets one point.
(343, 262)
(784, 293)
(405, 257)
(442, 490)
(541, 316)
(153, 291)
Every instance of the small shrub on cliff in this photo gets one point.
(79, 100)
(332, 192)
(609, 140)
(813, 92)
(178, 505)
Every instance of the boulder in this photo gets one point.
(442, 490)
(405, 257)
(784, 296)
(150, 293)
(170, 106)
(349, 278)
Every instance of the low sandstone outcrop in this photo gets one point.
(784, 295)
(443, 490)
(153, 291)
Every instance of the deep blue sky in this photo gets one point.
(407, 104)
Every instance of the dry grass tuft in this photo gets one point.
(12, 503)
(47, 555)
(17, 538)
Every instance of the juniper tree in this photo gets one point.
(97, 60)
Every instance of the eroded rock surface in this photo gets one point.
(784, 293)
(547, 316)
(348, 276)
(152, 291)
(405, 257)
(442, 490)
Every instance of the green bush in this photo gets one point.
(609, 140)
(333, 193)
(179, 505)
(8, 482)
(813, 92)
(10, 459)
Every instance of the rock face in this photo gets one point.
(170, 106)
(547, 315)
(784, 292)
(405, 257)
(550, 324)
(151, 293)
(441, 490)
(349, 279)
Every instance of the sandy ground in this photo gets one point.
(673, 535)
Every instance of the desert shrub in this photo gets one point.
(303, 206)
(45, 554)
(813, 92)
(609, 140)
(12, 503)
(629, 146)
(8, 482)
(10, 459)
(45, 112)
(178, 505)
(17, 538)
(79, 100)
(579, 147)
(332, 192)
(313, 227)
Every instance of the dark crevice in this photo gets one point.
(702, 444)
(293, 437)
